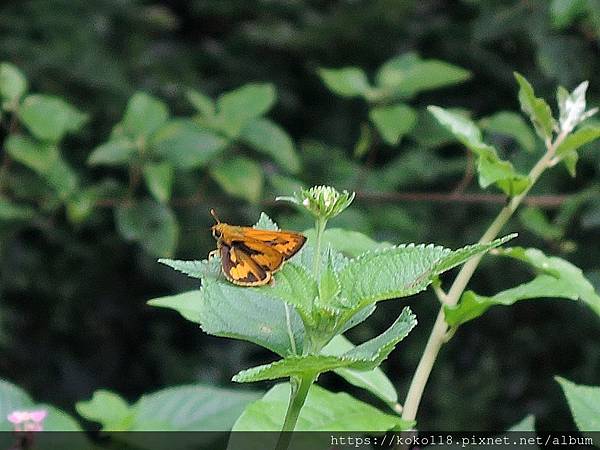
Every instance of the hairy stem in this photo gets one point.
(299, 391)
(437, 338)
(320, 224)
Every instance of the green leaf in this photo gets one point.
(374, 381)
(107, 408)
(251, 315)
(584, 402)
(45, 160)
(366, 356)
(13, 398)
(240, 177)
(10, 211)
(393, 122)
(187, 145)
(346, 82)
(534, 220)
(323, 411)
(350, 243)
(144, 115)
(581, 137)
(329, 284)
(270, 139)
(408, 74)
(181, 408)
(237, 108)
(81, 204)
(526, 424)
(265, 223)
(557, 279)
(50, 118)
(490, 167)
(201, 102)
(510, 124)
(159, 180)
(115, 152)
(401, 271)
(537, 109)
(13, 84)
(572, 107)
(196, 269)
(151, 224)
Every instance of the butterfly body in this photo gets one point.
(250, 256)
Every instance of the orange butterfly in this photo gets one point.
(249, 257)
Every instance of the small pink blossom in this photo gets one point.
(28, 420)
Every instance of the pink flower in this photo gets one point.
(28, 420)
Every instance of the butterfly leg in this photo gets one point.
(213, 253)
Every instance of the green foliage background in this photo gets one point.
(73, 316)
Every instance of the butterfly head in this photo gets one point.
(217, 229)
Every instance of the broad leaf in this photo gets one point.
(323, 411)
(239, 176)
(534, 220)
(393, 122)
(151, 224)
(115, 152)
(490, 167)
(350, 243)
(366, 356)
(223, 309)
(346, 82)
(401, 271)
(50, 118)
(374, 381)
(144, 115)
(107, 408)
(187, 145)
(584, 402)
(537, 109)
(408, 74)
(269, 138)
(159, 180)
(235, 109)
(196, 269)
(201, 102)
(13, 83)
(567, 150)
(510, 124)
(557, 279)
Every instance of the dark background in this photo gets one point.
(73, 316)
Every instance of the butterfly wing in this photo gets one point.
(288, 243)
(261, 253)
(239, 268)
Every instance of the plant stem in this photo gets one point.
(320, 224)
(299, 391)
(438, 334)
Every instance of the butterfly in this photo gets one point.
(250, 257)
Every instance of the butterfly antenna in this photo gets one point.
(214, 214)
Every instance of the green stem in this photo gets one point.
(320, 224)
(299, 391)
(437, 338)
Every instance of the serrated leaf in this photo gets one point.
(235, 109)
(159, 180)
(323, 411)
(144, 115)
(366, 356)
(187, 145)
(115, 152)
(584, 402)
(50, 118)
(251, 315)
(408, 74)
(558, 279)
(491, 169)
(374, 381)
(151, 224)
(210, 268)
(394, 121)
(107, 408)
(201, 102)
(329, 284)
(350, 243)
(239, 176)
(537, 109)
(13, 83)
(401, 271)
(510, 124)
(346, 82)
(265, 223)
(269, 138)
